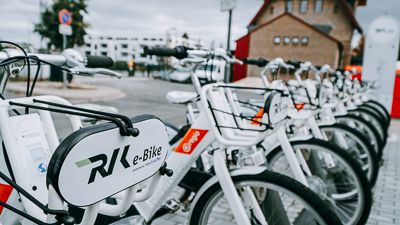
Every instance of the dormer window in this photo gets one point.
(318, 6)
(303, 6)
(289, 6)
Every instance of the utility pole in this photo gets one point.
(228, 45)
(228, 5)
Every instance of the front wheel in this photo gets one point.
(357, 144)
(380, 107)
(375, 121)
(366, 128)
(282, 200)
(335, 176)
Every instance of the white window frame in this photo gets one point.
(303, 6)
(318, 6)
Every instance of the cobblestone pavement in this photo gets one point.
(386, 208)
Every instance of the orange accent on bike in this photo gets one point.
(5, 192)
(257, 118)
(191, 139)
(299, 106)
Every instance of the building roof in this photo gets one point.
(345, 6)
(299, 20)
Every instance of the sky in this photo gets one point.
(199, 18)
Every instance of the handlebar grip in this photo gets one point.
(94, 61)
(260, 62)
(295, 63)
(179, 52)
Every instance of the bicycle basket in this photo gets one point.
(231, 115)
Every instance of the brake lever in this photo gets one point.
(83, 71)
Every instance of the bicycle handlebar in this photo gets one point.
(55, 59)
(260, 62)
(187, 54)
(179, 52)
(78, 64)
(94, 61)
(295, 63)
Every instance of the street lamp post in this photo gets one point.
(228, 5)
(228, 45)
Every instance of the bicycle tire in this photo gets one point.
(374, 121)
(278, 180)
(378, 112)
(370, 131)
(361, 140)
(379, 106)
(364, 189)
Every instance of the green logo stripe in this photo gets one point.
(83, 163)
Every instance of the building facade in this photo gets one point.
(319, 31)
(121, 48)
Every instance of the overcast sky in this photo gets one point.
(199, 18)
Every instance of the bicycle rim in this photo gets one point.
(364, 127)
(345, 187)
(280, 206)
(356, 146)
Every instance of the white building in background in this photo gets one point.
(175, 40)
(126, 48)
(121, 48)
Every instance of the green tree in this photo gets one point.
(48, 26)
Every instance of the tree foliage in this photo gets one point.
(48, 25)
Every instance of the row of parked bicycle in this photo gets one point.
(301, 151)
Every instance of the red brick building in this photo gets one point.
(319, 31)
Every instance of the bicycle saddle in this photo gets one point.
(181, 97)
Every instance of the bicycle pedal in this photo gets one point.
(172, 205)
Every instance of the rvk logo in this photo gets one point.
(191, 139)
(148, 155)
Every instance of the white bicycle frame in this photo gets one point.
(179, 162)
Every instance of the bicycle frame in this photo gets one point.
(20, 161)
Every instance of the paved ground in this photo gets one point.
(145, 96)
(386, 209)
(75, 93)
(148, 96)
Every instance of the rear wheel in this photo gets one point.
(335, 176)
(280, 199)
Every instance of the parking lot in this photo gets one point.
(145, 96)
